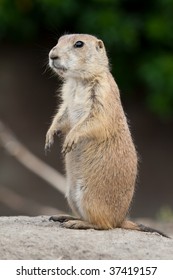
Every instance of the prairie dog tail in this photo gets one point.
(133, 226)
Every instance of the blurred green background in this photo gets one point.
(138, 36)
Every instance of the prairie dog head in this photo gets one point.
(78, 56)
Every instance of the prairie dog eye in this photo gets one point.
(79, 44)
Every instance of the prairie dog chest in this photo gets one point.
(77, 97)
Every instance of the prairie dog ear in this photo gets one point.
(99, 45)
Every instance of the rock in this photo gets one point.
(38, 238)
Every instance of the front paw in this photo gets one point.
(70, 143)
(50, 138)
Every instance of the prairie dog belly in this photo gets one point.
(74, 194)
(76, 113)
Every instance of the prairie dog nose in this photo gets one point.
(53, 55)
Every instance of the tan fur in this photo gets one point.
(100, 157)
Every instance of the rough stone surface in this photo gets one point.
(37, 238)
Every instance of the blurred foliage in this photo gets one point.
(137, 34)
(165, 214)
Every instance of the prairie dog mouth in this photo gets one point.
(59, 67)
(55, 65)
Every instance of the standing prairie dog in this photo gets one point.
(100, 157)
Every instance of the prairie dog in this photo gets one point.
(100, 157)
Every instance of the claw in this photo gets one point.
(68, 148)
(48, 146)
(63, 152)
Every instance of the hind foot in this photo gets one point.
(62, 218)
(71, 222)
(78, 224)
